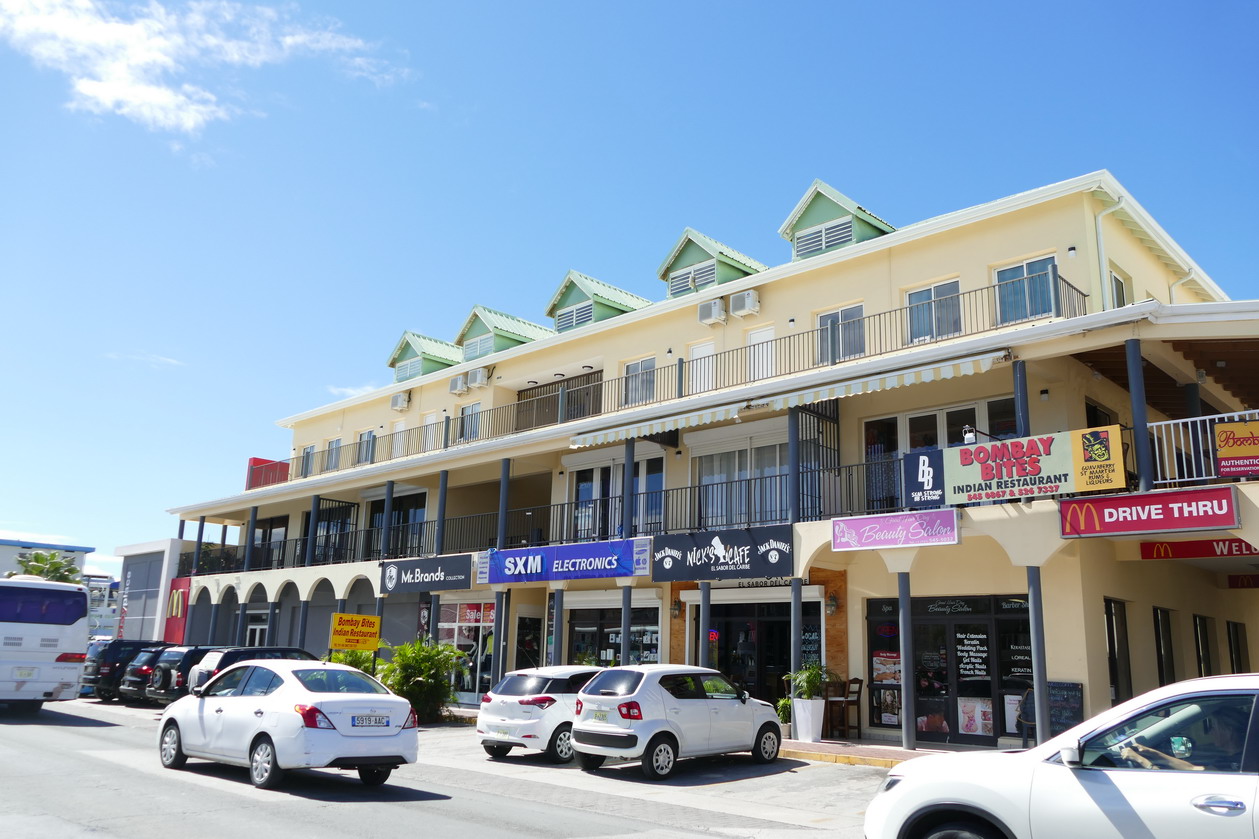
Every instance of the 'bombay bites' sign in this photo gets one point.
(1236, 449)
(755, 553)
(437, 573)
(1208, 508)
(894, 530)
(354, 632)
(1025, 467)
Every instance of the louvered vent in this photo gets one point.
(822, 238)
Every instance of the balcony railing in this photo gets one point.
(1184, 450)
(1037, 297)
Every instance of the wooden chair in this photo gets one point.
(842, 698)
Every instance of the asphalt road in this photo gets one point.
(84, 768)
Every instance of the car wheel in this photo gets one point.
(374, 776)
(560, 749)
(264, 768)
(171, 749)
(27, 706)
(765, 749)
(496, 752)
(589, 763)
(961, 830)
(160, 678)
(660, 759)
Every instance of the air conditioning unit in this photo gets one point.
(712, 311)
(478, 377)
(745, 303)
(401, 401)
(459, 384)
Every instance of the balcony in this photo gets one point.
(1184, 450)
(1033, 298)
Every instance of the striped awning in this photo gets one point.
(852, 387)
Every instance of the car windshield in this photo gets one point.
(144, 657)
(614, 683)
(520, 685)
(338, 681)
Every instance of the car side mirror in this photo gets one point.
(743, 696)
(1070, 756)
(198, 682)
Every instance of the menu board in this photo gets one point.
(811, 643)
(1066, 706)
(971, 645)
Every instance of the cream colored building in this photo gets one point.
(751, 396)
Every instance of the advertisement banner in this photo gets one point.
(1208, 508)
(1236, 449)
(452, 572)
(1243, 580)
(1027, 467)
(924, 478)
(894, 530)
(354, 632)
(1198, 549)
(589, 561)
(755, 553)
(177, 610)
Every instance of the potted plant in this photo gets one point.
(808, 700)
(783, 707)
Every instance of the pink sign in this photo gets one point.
(894, 530)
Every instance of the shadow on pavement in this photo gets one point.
(320, 785)
(9, 716)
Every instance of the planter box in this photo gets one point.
(806, 719)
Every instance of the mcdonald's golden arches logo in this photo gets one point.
(177, 604)
(1078, 514)
(1162, 550)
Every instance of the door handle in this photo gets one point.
(218, 710)
(258, 713)
(1219, 804)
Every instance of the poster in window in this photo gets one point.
(932, 716)
(886, 667)
(974, 716)
(889, 706)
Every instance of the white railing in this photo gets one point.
(1184, 451)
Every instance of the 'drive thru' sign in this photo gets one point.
(1209, 508)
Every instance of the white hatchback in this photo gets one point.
(532, 709)
(1179, 761)
(658, 713)
(276, 715)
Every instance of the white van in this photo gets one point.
(45, 629)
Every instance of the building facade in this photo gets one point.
(865, 455)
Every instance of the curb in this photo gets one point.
(830, 757)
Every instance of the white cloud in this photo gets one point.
(350, 392)
(31, 536)
(141, 61)
(157, 362)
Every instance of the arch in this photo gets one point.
(357, 581)
(288, 601)
(323, 603)
(224, 629)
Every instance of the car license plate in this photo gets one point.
(373, 720)
(25, 672)
(601, 716)
(502, 732)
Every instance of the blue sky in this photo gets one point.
(215, 215)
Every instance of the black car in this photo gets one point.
(224, 657)
(169, 679)
(106, 660)
(136, 677)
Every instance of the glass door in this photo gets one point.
(591, 490)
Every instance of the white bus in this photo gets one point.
(43, 641)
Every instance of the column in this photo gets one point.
(434, 616)
(557, 633)
(793, 465)
(1140, 417)
(627, 607)
(439, 539)
(499, 622)
(797, 623)
(303, 614)
(705, 621)
(1022, 414)
(909, 717)
(386, 529)
(273, 621)
(500, 652)
(1040, 678)
(214, 619)
(504, 481)
(196, 550)
(249, 538)
(242, 623)
(312, 529)
(627, 492)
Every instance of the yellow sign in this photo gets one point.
(354, 632)
(1237, 449)
(1097, 459)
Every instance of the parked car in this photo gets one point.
(1181, 760)
(286, 714)
(105, 664)
(658, 713)
(169, 679)
(222, 658)
(532, 709)
(135, 678)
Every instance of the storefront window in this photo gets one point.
(594, 636)
(470, 628)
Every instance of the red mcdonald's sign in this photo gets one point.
(177, 610)
(1198, 549)
(1207, 508)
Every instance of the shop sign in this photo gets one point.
(354, 632)
(1243, 580)
(177, 610)
(588, 561)
(1198, 549)
(1208, 508)
(756, 553)
(1236, 449)
(894, 530)
(437, 573)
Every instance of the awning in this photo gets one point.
(852, 387)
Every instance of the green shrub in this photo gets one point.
(421, 672)
(783, 707)
(355, 658)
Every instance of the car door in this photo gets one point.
(217, 704)
(686, 711)
(730, 720)
(246, 713)
(1157, 775)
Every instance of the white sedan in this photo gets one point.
(276, 715)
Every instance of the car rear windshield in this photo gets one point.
(31, 604)
(614, 683)
(145, 657)
(521, 685)
(338, 681)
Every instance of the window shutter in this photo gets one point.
(584, 313)
(564, 320)
(704, 275)
(809, 243)
(839, 233)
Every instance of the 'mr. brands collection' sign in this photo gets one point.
(755, 553)
(452, 572)
(1207, 508)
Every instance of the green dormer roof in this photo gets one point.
(713, 248)
(501, 323)
(415, 345)
(598, 291)
(846, 206)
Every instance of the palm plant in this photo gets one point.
(809, 682)
(422, 672)
(48, 564)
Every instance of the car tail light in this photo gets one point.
(105, 669)
(542, 702)
(72, 657)
(312, 717)
(630, 711)
(178, 680)
(144, 670)
(411, 722)
(578, 706)
(486, 698)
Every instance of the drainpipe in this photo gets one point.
(1104, 275)
(1171, 292)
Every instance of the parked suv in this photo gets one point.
(169, 679)
(658, 713)
(136, 677)
(221, 658)
(532, 709)
(106, 660)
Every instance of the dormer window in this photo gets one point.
(479, 346)
(693, 278)
(408, 370)
(824, 237)
(575, 316)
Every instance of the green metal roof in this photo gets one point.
(713, 247)
(424, 345)
(820, 187)
(505, 324)
(597, 290)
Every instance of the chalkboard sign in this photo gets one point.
(1066, 707)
